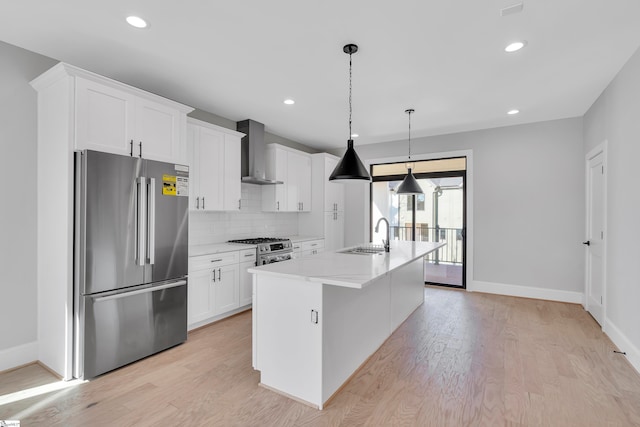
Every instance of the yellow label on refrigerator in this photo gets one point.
(169, 185)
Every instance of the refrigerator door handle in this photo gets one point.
(151, 226)
(140, 291)
(142, 219)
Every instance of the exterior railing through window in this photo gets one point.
(451, 253)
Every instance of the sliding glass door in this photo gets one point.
(438, 215)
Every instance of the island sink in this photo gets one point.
(364, 250)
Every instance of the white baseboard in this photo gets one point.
(527, 292)
(623, 343)
(18, 355)
(213, 319)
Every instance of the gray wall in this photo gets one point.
(615, 117)
(18, 137)
(528, 201)
(269, 138)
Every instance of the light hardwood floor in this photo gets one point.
(461, 359)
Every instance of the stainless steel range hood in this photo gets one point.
(253, 155)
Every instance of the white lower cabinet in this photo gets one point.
(226, 289)
(214, 287)
(247, 260)
(307, 248)
(312, 247)
(200, 296)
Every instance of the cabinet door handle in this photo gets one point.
(314, 316)
(140, 145)
(239, 204)
(278, 206)
(248, 255)
(197, 202)
(214, 276)
(203, 203)
(219, 275)
(216, 260)
(131, 148)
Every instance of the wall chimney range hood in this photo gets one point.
(253, 155)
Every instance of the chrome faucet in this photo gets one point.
(384, 242)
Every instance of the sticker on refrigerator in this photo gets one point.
(169, 187)
(182, 186)
(180, 181)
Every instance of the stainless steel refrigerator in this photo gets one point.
(130, 259)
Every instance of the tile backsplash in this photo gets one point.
(217, 227)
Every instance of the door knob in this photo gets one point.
(588, 243)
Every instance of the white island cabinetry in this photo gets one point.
(316, 320)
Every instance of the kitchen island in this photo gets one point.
(316, 320)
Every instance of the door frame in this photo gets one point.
(598, 149)
(469, 245)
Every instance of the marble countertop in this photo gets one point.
(298, 239)
(349, 270)
(217, 248)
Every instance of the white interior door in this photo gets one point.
(595, 277)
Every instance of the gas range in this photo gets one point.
(269, 249)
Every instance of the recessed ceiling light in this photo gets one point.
(289, 101)
(354, 135)
(512, 112)
(515, 46)
(136, 21)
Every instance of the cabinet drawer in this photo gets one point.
(312, 244)
(204, 262)
(248, 255)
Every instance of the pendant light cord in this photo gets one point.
(410, 135)
(350, 96)
(409, 111)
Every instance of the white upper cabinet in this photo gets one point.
(293, 167)
(104, 118)
(157, 131)
(333, 191)
(326, 218)
(116, 118)
(214, 160)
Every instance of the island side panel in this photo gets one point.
(289, 342)
(407, 291)
(355, 324)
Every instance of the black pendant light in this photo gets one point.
(350, 166)
(409, 185)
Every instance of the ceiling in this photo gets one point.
(446, 59)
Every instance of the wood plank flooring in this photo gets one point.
(461, 359)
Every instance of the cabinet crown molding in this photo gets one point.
(64, 70)
(196, 122)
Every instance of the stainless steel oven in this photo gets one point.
(269, 249)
